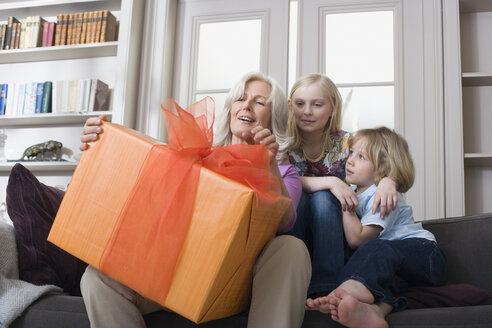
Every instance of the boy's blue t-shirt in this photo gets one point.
(399, 224)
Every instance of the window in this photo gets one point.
(226, 50)
(359, 59)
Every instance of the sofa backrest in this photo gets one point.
(467, 243)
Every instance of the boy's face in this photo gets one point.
(359, 169)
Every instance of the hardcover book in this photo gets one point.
(108, 27)
(99, 96)
(46, 103)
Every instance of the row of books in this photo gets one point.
(32, 32)
(76, 28)
(85, 27)
(62, 96)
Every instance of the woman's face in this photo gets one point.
(250, 110)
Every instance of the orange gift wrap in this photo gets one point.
(181, 224)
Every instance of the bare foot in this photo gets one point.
(357, 290)
(321, 304)
(356, 314)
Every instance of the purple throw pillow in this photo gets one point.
(32, 207)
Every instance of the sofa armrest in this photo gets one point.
(467, 243)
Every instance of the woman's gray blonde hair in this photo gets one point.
(278, 106)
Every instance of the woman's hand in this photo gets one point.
(345, 195)
(91, 131)
(261, 135)
(385, 196)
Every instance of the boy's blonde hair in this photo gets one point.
(389, 153)
(334, 124)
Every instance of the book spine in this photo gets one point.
(80, 19)
(92, 94)
(47, 96)
(58, 29)
(39, 97)
(21, 99)
(3, 98)
(39, 38)
(2, 35)
(22, 33)
(83, 31)
(98, 25)
(72, 95)
(31, 108)
(51, 33)
(104, 26)
(101, 99)
(44, 42)
(8, 34)
(33, 31)
(17, 36)
(27, 36)
(54, 97)
(13, 34)
(70, 20)
(10, 98)
(64, 95)
(63, 38)
(91, 27)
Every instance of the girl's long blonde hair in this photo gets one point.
(389, 153)
(334, 124)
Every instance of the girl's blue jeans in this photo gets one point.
(319, 225)
(388, 267)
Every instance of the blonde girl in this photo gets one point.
(390, 254)
(319, 152)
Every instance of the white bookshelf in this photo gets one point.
(115, 63)
(467, 27)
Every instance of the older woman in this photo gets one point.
(254, 108)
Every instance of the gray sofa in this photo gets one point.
(466, 241)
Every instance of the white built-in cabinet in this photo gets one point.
(468, 102)
(116, 63)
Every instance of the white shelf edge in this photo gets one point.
(76, 51)
(475, 6)
(470, 79)
(478, 159)
(39, 3)
(40, 166)
(49, 119)
(478, 155)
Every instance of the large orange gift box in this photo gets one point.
(165, 225)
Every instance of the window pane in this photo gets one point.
(219, 99)
(292, 43)
(359, 47)
(227, 51)
(367, 107)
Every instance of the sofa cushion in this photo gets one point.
(466, 243)
(32, 207)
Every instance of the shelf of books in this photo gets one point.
(41, 166)
(31, 102)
